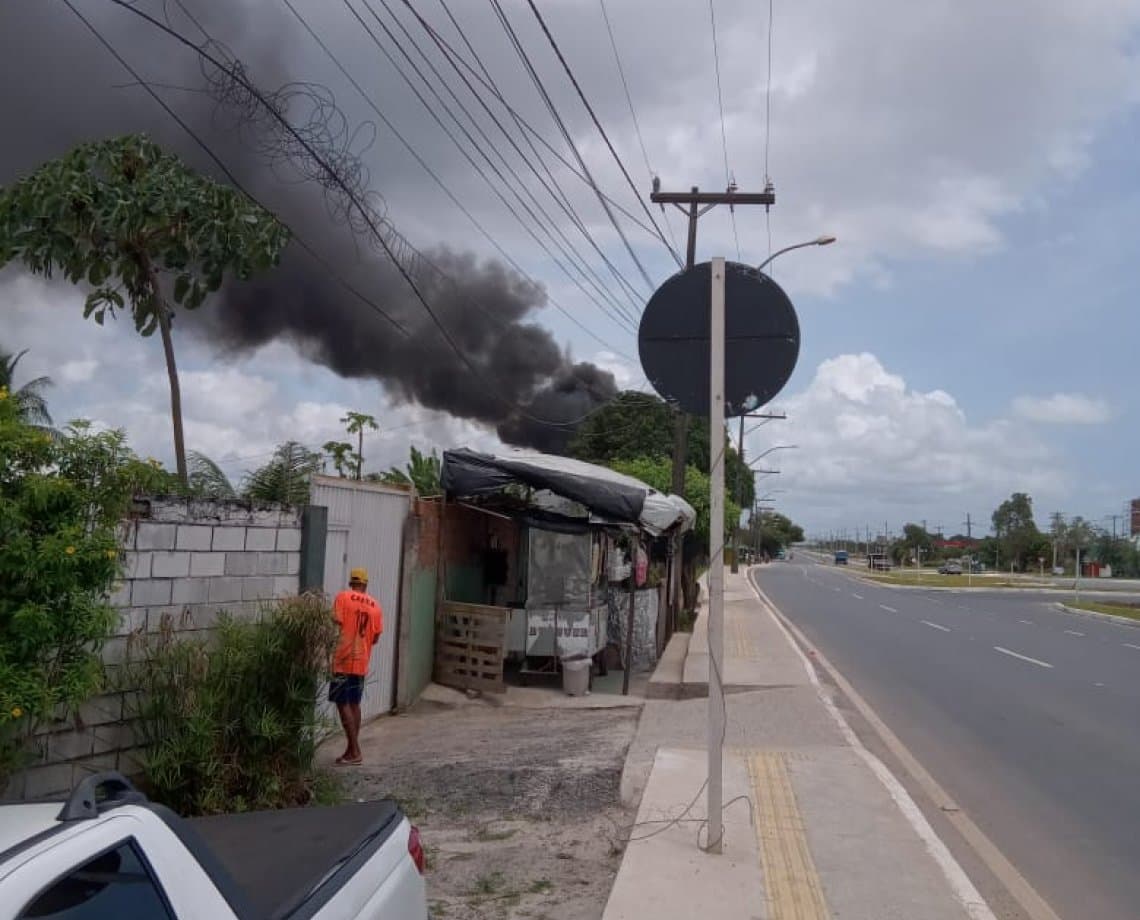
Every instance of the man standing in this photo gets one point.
(361, 622)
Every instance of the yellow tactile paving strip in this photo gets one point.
(791, 883)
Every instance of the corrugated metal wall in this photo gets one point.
(366, 527)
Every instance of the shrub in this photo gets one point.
(62, 495)
(230, 722)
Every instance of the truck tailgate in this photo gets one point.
(277, 858)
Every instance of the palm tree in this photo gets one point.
(207, 478)
(29, 399)
(422, 472)
(285, 478)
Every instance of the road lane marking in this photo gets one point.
(857, 597)
(1073, 632)
(793, 887)
(1027, 622)
(888, 609)
(1005, 651)
(936, 626)
(836, 589)
(1130, 645)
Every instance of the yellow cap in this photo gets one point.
(358, 575)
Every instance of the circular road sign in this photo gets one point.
(762, 339)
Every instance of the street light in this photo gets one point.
(760, 457)
(825, 240)
(765, 472)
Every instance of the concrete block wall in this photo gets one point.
(185, 561)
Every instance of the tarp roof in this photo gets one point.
(612, 495)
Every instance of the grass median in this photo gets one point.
(934, 580)
(1116, 610)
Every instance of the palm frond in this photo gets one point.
(285, 478)
(206, 477)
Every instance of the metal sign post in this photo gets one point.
(716, 555)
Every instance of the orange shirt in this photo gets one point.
(361, 623)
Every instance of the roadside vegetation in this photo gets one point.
(1132, 611)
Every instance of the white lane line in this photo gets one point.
(1005, 651)
(934, 600)
(936, 626)
(836, 589)
(1027, 622)
(1130, 645)
(1073, 632)
(857, 597)
(888, 609)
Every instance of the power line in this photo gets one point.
(431, 172)
(331, 176)
(599, 287)
(537, 80)
(605, 137)
(630, 291)
(723, 130)
(227, 172)
(768, 126)
(633, 115)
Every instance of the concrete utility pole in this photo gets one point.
(969, 527)
(694, 204)
(739, 484)
(716, 557)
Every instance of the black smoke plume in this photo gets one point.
(61, 87)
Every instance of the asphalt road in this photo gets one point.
(1028, 716)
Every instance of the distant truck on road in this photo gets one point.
(841, 557)
(110, 853)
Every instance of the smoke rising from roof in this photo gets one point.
(521, 375)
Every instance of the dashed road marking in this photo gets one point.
(888, 609)
(1027, 622)
(857, 597)
(1130, 645)
(1005, 651)
(1073, 632)
(936, 626)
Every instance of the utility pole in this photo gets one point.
(969, 527)
(694, 204)
(739, 483)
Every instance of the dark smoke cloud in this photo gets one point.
(60, 89)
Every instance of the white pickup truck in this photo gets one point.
(109, 854)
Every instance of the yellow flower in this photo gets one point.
(17, 712)
(3, 392)
(111, 554)
(70, 551)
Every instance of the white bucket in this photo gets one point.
(576, 676)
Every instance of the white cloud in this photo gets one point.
(1063, 409)
(870, 446)
(79, 371)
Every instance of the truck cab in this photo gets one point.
(841, 557)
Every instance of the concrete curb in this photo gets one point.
(1096, 615)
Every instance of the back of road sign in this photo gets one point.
(761, 330)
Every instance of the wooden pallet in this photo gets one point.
(470, 645)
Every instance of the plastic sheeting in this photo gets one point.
(468, 473)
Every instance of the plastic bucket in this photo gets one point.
(576, 676)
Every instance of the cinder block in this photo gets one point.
(191, 590)
(200, 616)
(246, 610)
(241, 563)
(223, 590)
(45, 782)
(195, 537)
(170, 565)
(137, 565)
(150, 592)
(272, 563)
(266, 517)
(125, 534)
(155, 536)
(261, 538)
(71, 745)
(102, 709)
(284, 585)
(113, 738)
(97, 763)
(131, 763)
(131, 619)
(115, 650)
(206, 565)
(257, 589)
(229, 538)
(175, 614)
(289, 540)
(292, 563)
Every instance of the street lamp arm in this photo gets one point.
(825, 240)
(760, 457)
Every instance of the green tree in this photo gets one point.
(422, 472)
(207, 480)
(31, 406)
(635, 425)
(119, 215)
(285, 478)
(61, 500)
(342, 455)
(1017, 533)
(914, 535)
(772, 531)
(356, 423)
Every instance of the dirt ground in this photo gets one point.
(518, 807)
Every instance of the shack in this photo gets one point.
(542, 577)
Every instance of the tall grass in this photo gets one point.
(230, 721)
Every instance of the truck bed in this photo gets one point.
(277, 859)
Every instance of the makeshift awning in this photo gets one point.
(468, 473)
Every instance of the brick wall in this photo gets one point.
(185, 561)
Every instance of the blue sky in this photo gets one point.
(970, 334)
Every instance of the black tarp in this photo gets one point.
(468, 473)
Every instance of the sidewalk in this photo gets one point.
(815, 827)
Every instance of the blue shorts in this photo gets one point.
(346, 689)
